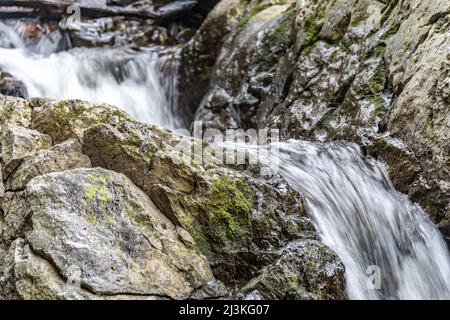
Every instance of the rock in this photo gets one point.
(14, 111)
(51, 10)
(12, 87)
(207, 5)
(304, 264)
(7, 275)
(34, 278)
(230, 216)
(118, 32)
(2, 186)
(18, 143)
(223, 227)
(96, 211)
(120, 2)
(64, 120)
(363, 71)
(61, 157)
(199, 55)
(16, 219)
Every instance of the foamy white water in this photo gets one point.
(132, 80)
(368, 223)
(388, 244)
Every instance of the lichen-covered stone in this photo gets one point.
(65, 120)
(307, 270)
(61, 157)
(2, 186)
(239, 221)
(18, 143)
(14, 111)
(7, 275)
(31, 277)
(15, 216)
(79, 215)
(225, 226)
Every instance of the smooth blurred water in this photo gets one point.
(142, 82)
(369, 224)
(388, 245)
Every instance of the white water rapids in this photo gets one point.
(370, 225)
(356, 209)
(132, 80)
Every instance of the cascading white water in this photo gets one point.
(132, 80)
(368, 223)
(352, 201)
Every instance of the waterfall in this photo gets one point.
(356, 209)
(390, 248)
(370, 225)
(142, 82)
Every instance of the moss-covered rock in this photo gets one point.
(306, 271)
(212, 228)
(103, 212)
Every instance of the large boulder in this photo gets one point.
(95, 211)
(366, 71)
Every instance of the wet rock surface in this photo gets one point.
(103, 24)
(11, 86)
(370, 72)
(102, 209)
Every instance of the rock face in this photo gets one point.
(199, 55)
(366, 71)
(95, 205)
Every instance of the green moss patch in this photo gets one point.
(377, 80)
(391, 32)
(229, 207)
(222, 216)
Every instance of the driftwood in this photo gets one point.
(57, 9)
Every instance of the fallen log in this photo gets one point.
(58, 9)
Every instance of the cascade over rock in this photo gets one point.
(366, 71)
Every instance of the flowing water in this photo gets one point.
(140, 81)
(379, 234)
(374, 229)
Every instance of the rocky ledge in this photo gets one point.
(94, 206)
(374, 72)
